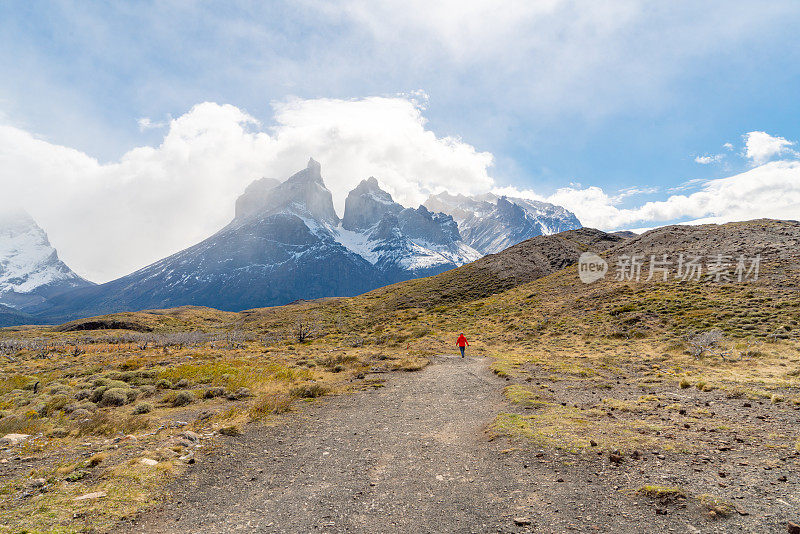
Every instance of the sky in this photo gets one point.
(128, 129)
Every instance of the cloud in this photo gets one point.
(709, 159)
(771, 190)
(761, 147)
(107, 219)
(146, 124)
(728, 146)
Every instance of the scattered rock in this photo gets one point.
(13, 439)
(592, 443)
(191, 436)
(58, 433)
(148, 461)
(522, 521)
(616, 458)
(93, 495)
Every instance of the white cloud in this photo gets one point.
(761, 147)
(146, 124)
(708, 159)
(771, 190)
(109, 219)
(728, 146)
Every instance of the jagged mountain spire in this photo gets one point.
(367, 204)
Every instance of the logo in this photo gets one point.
(591, 267)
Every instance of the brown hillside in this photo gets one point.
(499, 272)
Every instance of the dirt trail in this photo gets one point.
(409, 457)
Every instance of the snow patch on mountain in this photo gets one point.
(29, 265)
(490, 223)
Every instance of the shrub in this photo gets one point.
(183, 398)
(96, 459)
(211, 393)
(142, 408)
(97, 393)
(164, 384)
(112, 383)
(684, 383)
(705, 342)
(181, 384)
(241, 393)
(274, 403)
(309, 391)
(661, 493)
(56, 403)
(131, 364)
(716, 506)
(117, 396)
(108, 422)
(231, 430)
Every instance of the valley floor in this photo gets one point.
(420, 455)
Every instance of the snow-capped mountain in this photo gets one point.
(490, 223)
(30, 271)
(401, 242)
(285, 243)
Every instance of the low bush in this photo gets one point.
(142, 408)
(309, 391)
(183, 398)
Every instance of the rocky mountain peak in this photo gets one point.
(304, 194)
(29, 265)
(420, 223)
(312, 173)
(367, 204)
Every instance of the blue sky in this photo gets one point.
(617, 95)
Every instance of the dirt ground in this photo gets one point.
(416, 456)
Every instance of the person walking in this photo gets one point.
(462, 343)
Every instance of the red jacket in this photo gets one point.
(462, 341)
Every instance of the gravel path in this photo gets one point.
(409, 457)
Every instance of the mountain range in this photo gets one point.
(286, 242)
(490, 223)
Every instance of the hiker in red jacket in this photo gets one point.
(462, 343)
